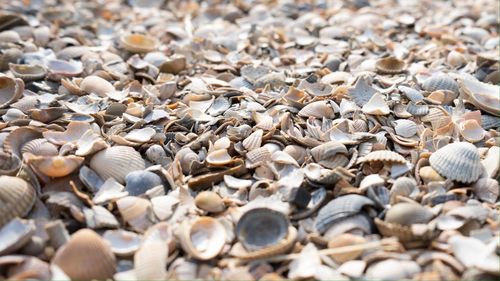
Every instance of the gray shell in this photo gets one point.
(408, 214)
(339, 208)
(458, 161)
(440, 82)
(138, 182)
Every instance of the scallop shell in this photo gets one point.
(123, 243)
(14, 235)
(318, 109)
(384, 156)
(97, 85)
(17, 198)
(139, 43)
(257, 157)
(471, 131)
(331, 154)
(390, 65)
(440, 81)
(260, 228)
(40, 147)
(486, 189)
(28, 72)
(203, 239)
(117, 162)
(254, 140)
(458, 161)
(408, 214)
(340, 208)
(405, 128)
(55, 166)
(219, 157)
(139, 182)
(11, 89)
(209, 201)
(376, 106)
(137, 212)
(78, 257)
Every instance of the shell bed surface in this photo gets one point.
(249, 140)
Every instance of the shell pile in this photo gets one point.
(249, 140)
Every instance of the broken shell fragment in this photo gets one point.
(376, 106)
(209, 201)
(203, 238)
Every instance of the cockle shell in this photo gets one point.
(390, 65)
(458, 161)
(254, 140)
(17, 197)
(412, 94)
(97, 85)
(318, 109)
(40, 147)
(28, 72)
(78, 257)
(331, 154)
(384, 156)
(117, 162)
(139, 43)
(203, 238)
(56, 166)
(417, 109)
(405, 128)
(257, 157)
(471, 131)
(11, 89)
(376, 106)
(210, 201)
(405, 187)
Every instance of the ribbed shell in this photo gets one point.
(86, 256)
(257, 157)
(405, 128)
(116, 162)
(384, 156)
(390, 65)
(339, 208)
(458, 161)
(408, 214)
(412, 94)
(417, 109)
(404, 187)
(440, 82)
(17, 197)
(254, 140)
(40, 147)
(318, 109)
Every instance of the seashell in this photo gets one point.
(344, 240)
(358, 224)
(90, 143)
(416, 235)
(117, 162)
(392, 269)
(47, 115)
(11, 89)
(55, 166)
(390, 65)
(405, 187)
(135, 211)
(28, 72)
(362, 91)
(405, 128)
(441, 97)
(58, 235)
(186, 157)
(96, 85)
(458, 161)
(140, 135)
(203, 239)
(174, 64)
(486, 189)
(218, 157)
(254, 140)
(17, 197)
(412, 94)
(440, 81)
(471, 131)
(376, 106)
(14, 235)
(318, 109)
(298, 153)
(40, 147)
(417, 109)
(78, 257)
(408, 214)
(58, 69)
(236, 183)
(156, 153)
(139, 182)
(260, 228)
(12, 115)
(209, 201)
(257, 157)
(283, 158)
(123, 243)
(150, 261)
(331, 154)
(428, 174)
(340, 208)
(73, 133)
(139, 43)
(482, 95)
(384, 156)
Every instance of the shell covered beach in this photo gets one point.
(249, 140)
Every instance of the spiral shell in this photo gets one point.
(117, 162)
(458, 161)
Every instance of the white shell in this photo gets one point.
(116, 162)
(471, 131)
(458, 161)
(202, 239)
(405, 128)
(376, 106)
(318, 109)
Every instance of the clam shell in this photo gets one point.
(318, 109)
(392, 269)
(140, 135)
(405, 187)
(209, 201)
(390, 65)
(28, 72)
(73, 133)
(376, 106)
(483, 95)
(96, 85)
(405, 128)
(56, 166)
(458, 161)
(408, 214)
(486, 189)
(384, 156)
(298, 153)
(150, 261)
(14, 235)
(40, 147)
(203, 239)
(139, 182)
(61, 68)
(135, 211)
(123, 243)
(471, 131)
(17, 197)
(428, 174)
(78, 257)
(219, 157)
(440, 81)
(340, 208)
(260, 228)
(139, 43)
(11, 89)
(117, 162)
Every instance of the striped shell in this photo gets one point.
(417, 109)
(408, 214)
(86, 256)
(117, 162)
(40, 147)
(458, 161)
(17, 197)
(384, 156)
(440, 81)
(405, 128)
(150, 261)
(340, 208)
(390, 65)
(254, 140)
(257, 157)
(11, 89)
(412, 94)
(203, 238)
(331, 154)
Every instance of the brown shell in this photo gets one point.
(56, 166)
(139, 43)
(404, 234)
(390, 65)
(11, 89)
(86, 256)
(116, 162)
(17, 197)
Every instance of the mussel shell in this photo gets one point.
(261, 227)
